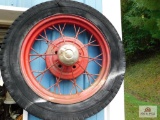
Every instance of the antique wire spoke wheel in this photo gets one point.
(62, 60)
(65, 60)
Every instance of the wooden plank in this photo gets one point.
(35, 2)
(82, 1)
(91, 3)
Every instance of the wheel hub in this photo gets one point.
(65, 59)
(68, 54)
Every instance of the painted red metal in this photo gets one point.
(66, 72)
(52, 61)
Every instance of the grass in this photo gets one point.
(132, 108)
(142, 86)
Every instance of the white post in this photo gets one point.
(1, 81)
(112, 10)
(25, 115)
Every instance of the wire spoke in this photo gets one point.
(95, 58)
(86, 71)
(91, 74)
(79, 87)
(35, 58)
(46, 70)
(41, 78)
(35, 71)
(56, 29)
(93, 45)
(51, 86)
(34, 50)
(46, 40)
(58, 80)
(56, 85)
(75, 28)
(89, 79)
(72, 73)
(76, 86)
(91, 59)
(50, 28)
(62, 29)
(38, 55)
(73, 84)
(71, 89)
(90, 38)
(89, 44)
(40, 39)
(46, 36)
(59, 89)
(97, 63)
(42, 54)
(78, 32)
(82, 31)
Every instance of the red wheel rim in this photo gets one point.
(34, 78)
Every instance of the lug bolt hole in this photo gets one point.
(56, 52)
(74, 66)
(60, 66)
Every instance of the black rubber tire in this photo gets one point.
(29, 100)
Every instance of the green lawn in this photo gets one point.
(132, 108)
(142, 87)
